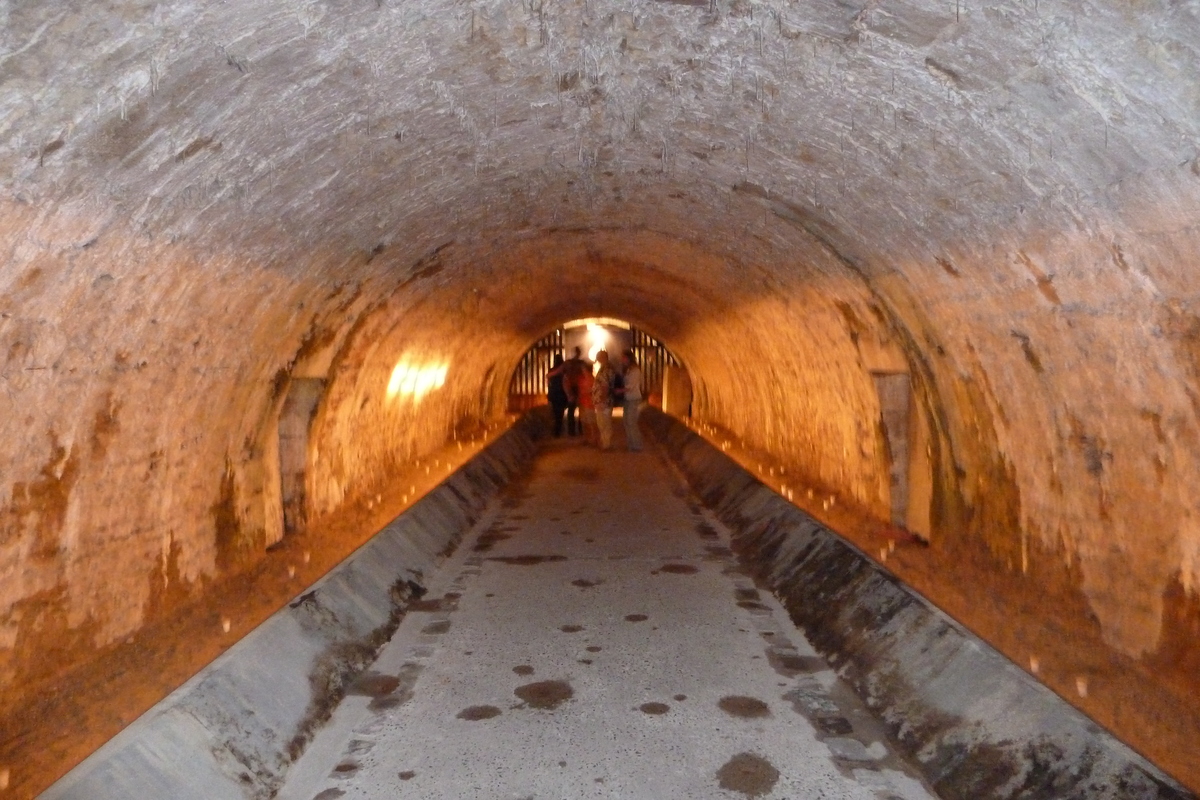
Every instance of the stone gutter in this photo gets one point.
(232, 731)
(977, 725)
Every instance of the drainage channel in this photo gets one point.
(594, 636)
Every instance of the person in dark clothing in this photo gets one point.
(556, 393)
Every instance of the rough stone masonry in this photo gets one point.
(204, 202)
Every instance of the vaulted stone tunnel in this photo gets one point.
(207, 205)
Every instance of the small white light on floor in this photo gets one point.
(883, 554)
(891, 545)
(378, 498)
(832, 501)
(226, 624)
(370, 504)
(404, 499)
(1034, 664)
(1081, 686)
(426, 470)
(4, 778)
(291, 571)
(772, 471)
(810, 494)
(307, 556)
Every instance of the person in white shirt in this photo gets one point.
(632, 400)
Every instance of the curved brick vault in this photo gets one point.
(203, 201)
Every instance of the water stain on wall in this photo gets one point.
(105, 426)
(39, 506)
(232, 550)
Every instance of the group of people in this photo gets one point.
(576, 385)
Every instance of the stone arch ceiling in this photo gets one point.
(202, 198)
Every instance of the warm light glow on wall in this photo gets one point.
(415, 380)
(594, 321)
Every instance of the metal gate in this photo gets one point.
(528, 385)
(654, 360)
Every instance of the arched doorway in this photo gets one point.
(665, 377)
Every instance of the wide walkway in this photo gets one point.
(594, 637)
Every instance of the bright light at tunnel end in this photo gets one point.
(597, 339)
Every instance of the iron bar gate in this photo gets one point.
(653, 358)
(528, 385)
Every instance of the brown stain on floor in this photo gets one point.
(654, 709)
(636, 618)
(748, 774)
(571, 628)
(545, 695)
(477, 713)
(527, 561)
(490, 539)
(523, 669)
(437, 628)
(678, 569)
(585, 584)
(736, 705)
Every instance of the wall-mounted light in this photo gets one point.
(415, 380)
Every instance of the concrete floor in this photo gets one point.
(594, 637)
